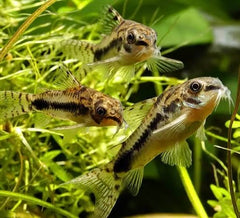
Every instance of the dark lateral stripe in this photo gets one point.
(159, 99)
(170, 93)
(193, 101)
(211, 87)
(123, 163)
(41, 104)
(159, 118)
(27, 98)
(171, 108)
(100, 52)
(20, 102)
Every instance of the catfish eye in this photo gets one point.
(101, 111)
(131, 38)
(195, 86)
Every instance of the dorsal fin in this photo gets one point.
(65, 79)
(133, 180)
(111, 18)
(133, 115)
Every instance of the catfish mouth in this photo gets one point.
(141, 42)
(111, 121)
(224, 93)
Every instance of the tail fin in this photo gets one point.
(13, 104)
(105, 186)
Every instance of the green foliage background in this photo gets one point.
(35, 159)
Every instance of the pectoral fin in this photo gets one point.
(113, 67)
(133, 180)
(200, 132)
(163, 64)
(110, 62)
(180, 154)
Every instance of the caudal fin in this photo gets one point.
(13, 104)
(105, 186)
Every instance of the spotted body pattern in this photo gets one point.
(80, 104)
(174, 116)
(126, 44)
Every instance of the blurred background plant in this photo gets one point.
(35, 159)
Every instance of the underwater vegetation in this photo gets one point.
(40, 154)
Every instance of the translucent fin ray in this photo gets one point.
(111, 18)
(171, 128)
(64, 79)
(133, 180)
(163, 64)
(133, 115)
(13, 104)
(200, 132)
(112, 68)
(104, 186)
(77, 49)
(180, 154)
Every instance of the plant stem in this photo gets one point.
(23, 27)
(197, 164)
(229, 155)
(18, 181)
(33, 200)
(191, 193)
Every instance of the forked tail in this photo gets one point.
(13, 104)
(105, 185)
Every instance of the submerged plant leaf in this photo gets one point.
(236, 124)
(188, 25)
(219, 192)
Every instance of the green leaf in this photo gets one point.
(236, 133)
(58, 171)
(213, 203)
(187, 26)
(236, 124)
(48, 156)
(219, 192)
(217, 8)
(227, 208)
(36, 201)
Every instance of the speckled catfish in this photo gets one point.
(126, 44)
(174, 116)
(78, 103)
